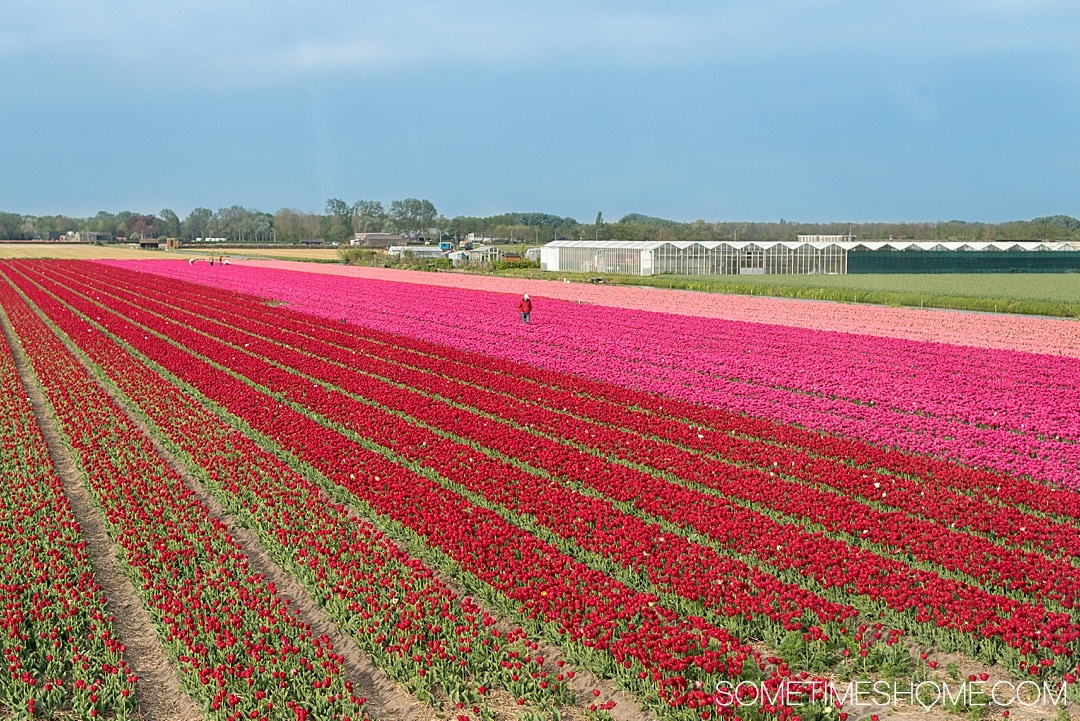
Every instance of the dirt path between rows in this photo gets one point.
(386, 700)
(158, 693)
(584, 682)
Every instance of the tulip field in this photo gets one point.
(611, 512)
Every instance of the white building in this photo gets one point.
(416, 251)
(805, 257)
(692, 258)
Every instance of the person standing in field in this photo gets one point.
(525, 306)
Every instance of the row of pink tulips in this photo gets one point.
(962, 614)
(1047, 336)
(882, 390)
(655, 651)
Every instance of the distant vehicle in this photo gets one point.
(446, 245)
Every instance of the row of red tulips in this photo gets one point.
(716, 583)
(789, 485)
(814, 461)
(665, 657)
(959, 606)
(410, 622)
(1033, 493)
(889, 581)
(56, 634)
(1036, 667)
(240, 649)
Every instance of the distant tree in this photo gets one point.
(412, 217)
(1054, 227)
(141, 226)
(338, 207)
(639, 219)
(170, 223)
(338, 225)
(121, 221)
(262, 227)
(105, 222)
(196, 224)
(369, 216)
(229, 223)
(11, 227)
(698, 230)
(240, 225)
(460, 226)
(631, 231)
(45, 224)
(291, 225)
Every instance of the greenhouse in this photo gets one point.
(806, 257)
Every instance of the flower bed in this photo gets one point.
(420, 632)
(993, 408)
(56, 634)
(869, 574)
(648, 537)
(238, 645)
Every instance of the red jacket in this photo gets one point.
(525, 306)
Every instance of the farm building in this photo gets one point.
(806, 257)
(476, 256)
(416, 251)
(485, 254)
(377, 240)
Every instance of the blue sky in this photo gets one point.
(807, 110)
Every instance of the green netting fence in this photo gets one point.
(961, 261)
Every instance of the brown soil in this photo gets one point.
(584, 682)
(385, 698)
(160, 696)
(952, 669)
(158, 693)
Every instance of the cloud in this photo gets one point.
(243, 42)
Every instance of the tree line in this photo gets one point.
(418, 219)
